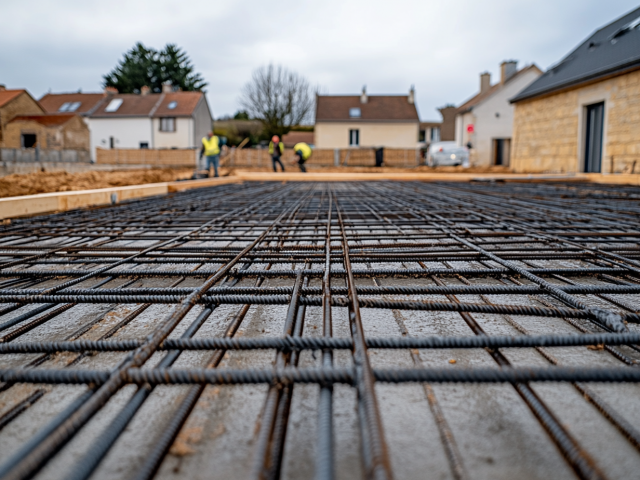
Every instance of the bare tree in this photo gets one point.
(277, 97)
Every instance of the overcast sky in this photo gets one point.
(438, 46)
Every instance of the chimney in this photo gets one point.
(145, 90)
(412, 95)
(110, 90)
(364, 98)
(166, 87)
(508, 69)
(2, 88)
(485, 82)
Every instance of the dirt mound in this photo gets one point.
(46, 182)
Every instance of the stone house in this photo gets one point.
(583, 115)
(364, 120)
(171, 120)
(52, 132)
(485, 121)
(12, 104)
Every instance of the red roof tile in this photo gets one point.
(186, 103)
(7, 95)
(291, 138)
(52, 102)
(396, 108)
(50, 120)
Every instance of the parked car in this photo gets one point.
(447, 154)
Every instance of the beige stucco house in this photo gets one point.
(583, 115)
(344, 121)
(485, 122)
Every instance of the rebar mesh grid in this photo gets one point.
(290, 322)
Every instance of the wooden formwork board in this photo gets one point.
(60, 201)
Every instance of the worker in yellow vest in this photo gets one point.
(211, 150)
(302, 153)
(276, 149)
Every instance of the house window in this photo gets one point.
(422, 135)
(114, 105)
(172, 105)
(168, 124)
(355, 112)
(69, 106)
(354, 138)
(112, 142)
(144, 145)
(28, 140)
(435, 134)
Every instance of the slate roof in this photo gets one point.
(380, 108)
(52, 120)
(613, 49)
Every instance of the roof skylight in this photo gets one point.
(355, 112)
(627, 28)
(172, 105)
(114, 105)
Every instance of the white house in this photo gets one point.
(146, 120)
(485, 122)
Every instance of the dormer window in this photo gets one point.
(69, 106)
(355, 112)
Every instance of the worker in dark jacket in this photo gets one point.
(302, 153)
(276, 149)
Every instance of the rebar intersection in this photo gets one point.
(168, 291)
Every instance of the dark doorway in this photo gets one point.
(501, 151)
(593, 138)
(28, 140)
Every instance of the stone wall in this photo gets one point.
(23, 104)
(72, 135)
(548, 132)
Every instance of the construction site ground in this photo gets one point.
(59, 181)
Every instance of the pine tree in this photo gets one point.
(145, 66)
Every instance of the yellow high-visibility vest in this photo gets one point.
(272, 147)
(304, 148)
(211, 146)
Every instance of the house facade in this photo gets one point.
(344, 121)
(12, 104)
(172, 120)
(583, 115)
(485, 122)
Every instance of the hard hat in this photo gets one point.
(275, 139)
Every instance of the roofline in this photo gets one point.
(361, 120)
(140, 115)
(24, 90)
(582, 81)
(499, 85)
(368, 95)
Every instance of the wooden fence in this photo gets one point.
(143, 156)
(259, 157)
(324, 157)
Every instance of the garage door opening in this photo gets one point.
(28, 140)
